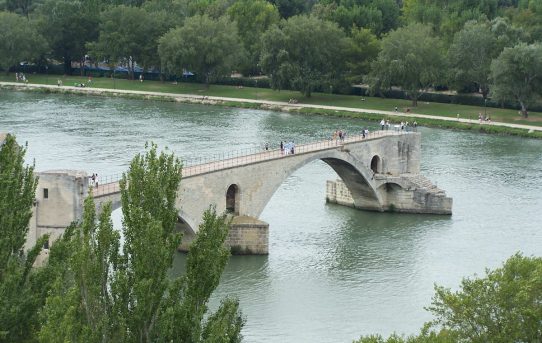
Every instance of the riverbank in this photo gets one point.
(519, 128)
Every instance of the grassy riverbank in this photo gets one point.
(356, 102)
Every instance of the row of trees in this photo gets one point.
(320, 45)
(102, 285)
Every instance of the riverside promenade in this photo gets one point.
(194, 98)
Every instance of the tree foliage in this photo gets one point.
(210, 48)
(129, 34)
(253, 18)
(503, 306)
(470, 56)
(21, 291)
(517, 75)
(19, 41)
(67, 25)
(303, 53)
(115, 289)
(411, 58)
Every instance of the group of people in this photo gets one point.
(94, 179)
(21, 77)
(483, 118)
(339, 136)
(287, 148)
(385, 125)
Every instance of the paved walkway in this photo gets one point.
(110, 185)
(194, 97)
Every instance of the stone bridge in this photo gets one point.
(380, 172)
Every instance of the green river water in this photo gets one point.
(333, 273)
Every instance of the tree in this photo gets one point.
(129, 35)
(470, 56)
(67, 25)
(503, 306)
(253, 18)
(290, 8)
(19, 41)
(363, 49)
(411, 58)
(20, 295)
(517, 75)
(106, 293)
(304, 53)
(210, 48)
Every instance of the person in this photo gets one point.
(383, 123)
(96, 180)
(363, 133)
(281, 146)
(293, 147)
(396, 108)
(59, 82)
(266, 146)
(387, 124)
(415, 125)
(402, 126)
(140, 77)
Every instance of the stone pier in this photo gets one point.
(405, 193)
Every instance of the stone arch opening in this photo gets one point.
(376, 164)
(232, 199)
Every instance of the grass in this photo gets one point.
(374, 103)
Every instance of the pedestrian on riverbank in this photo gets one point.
(383, 123)
(281, 147)
(266, 146)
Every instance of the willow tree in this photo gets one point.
(411, 58)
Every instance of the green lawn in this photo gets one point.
(439, 109)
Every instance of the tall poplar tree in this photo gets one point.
(20, 297)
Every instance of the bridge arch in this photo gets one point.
(232, 199)
(357, 177)
(376, 164)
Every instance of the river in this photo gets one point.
(333, 273)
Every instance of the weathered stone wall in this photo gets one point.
(248, 236)
(409, 197)
(59, 201)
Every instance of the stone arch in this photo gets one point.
(376, 164)
(232, 199)
(356, 176)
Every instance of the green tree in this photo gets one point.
(129, 35)
(253, 18)
(502, 307)
(290, 8)
(21, 296)
(470, 56)
(19, 41)
(363, 49)
(106, 293)
(517, 75)
(67, 25)
(210, 48)
(411, 58)
(304, 53)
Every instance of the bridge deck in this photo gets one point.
(113, 187)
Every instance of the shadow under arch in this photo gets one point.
(356, 176)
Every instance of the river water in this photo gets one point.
(333, 273)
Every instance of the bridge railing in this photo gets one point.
(110, 183)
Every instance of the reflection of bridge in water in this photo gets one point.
(380, 172)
